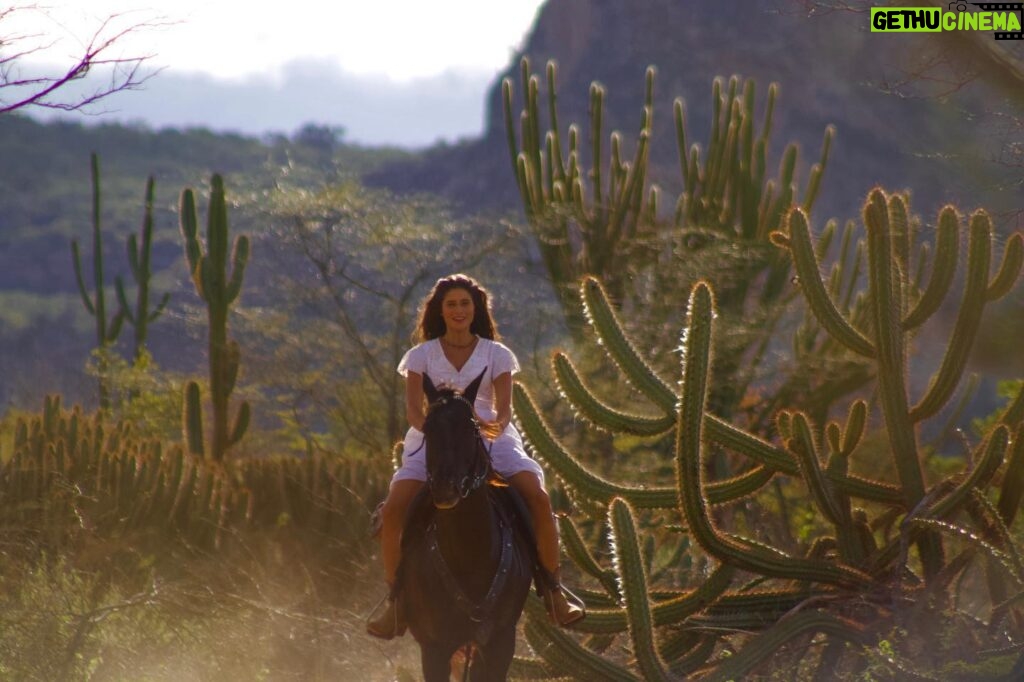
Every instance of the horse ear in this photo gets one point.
(474, 386)
(429, 390)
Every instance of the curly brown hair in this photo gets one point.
(431, 323)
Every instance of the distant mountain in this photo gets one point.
(828, 69)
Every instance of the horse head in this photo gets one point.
(457, 463)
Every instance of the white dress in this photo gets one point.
(508, 456)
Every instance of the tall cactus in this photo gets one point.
(605, 221)
(891, 556)
(95, 303)
(219, 289)
(139, 261)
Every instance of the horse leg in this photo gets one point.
(492, 662)
(434, 661)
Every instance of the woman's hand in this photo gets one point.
(491, 429)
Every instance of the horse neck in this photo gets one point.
(469, 536)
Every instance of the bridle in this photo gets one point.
(469, 483)
(481, 613)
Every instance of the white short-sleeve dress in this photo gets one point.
(508, 456)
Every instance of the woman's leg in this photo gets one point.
(393, 518)
(529, 487)
(389, 623)
(537, 501)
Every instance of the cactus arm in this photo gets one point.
(995, 447)
(239, 259)
(856, 421)
(886, 305)
(633, 582)
(555, 157)
(676, 610)
(759, 648)
(587, 484)
(740, 486)
(943, 269)
(803, 446)
(1000, 557)
(886, 298)
(241, 424)
(159, 309)
(993, 450)
(722, 433)
(742, 554)
(190, 232)
(593, 487)
(139, 259)
(899, 232)
(583, 400)
(510, 131)
(97, 252)
(564, 654)
(1009, 268)
(609, 330)
(817, 170)
(679, 115)
(987, 515)
(115, 326)
(798, 241)
(945, 380)
(577, 550)
(122, 299)
(524, 668)
(1012, 489)
(82, 289)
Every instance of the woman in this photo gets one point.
(458, 339)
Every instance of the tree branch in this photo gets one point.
(50, 90)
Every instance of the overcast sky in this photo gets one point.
(402, 72)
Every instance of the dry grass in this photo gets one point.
(270, 611)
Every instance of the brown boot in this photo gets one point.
(564, 607)
(391, 621)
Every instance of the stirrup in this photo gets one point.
(390, 623)
(573, 609)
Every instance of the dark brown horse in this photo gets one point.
(466, 568)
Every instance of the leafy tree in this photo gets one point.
(351, 265)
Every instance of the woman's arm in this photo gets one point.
(502, 407)
(414, 400)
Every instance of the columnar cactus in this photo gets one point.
(604, 221)
(219, 289)
(95, 303)
(68, 470)
(891, 555)
(139, 261)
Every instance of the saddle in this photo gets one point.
(508, 503)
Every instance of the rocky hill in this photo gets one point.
(830, 69)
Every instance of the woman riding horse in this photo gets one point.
(466, 571)
(458, 338)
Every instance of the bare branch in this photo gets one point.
(22, 85)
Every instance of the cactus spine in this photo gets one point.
(219, 289)
(95, 303)
(139, 255)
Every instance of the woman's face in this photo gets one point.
(457, 310)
